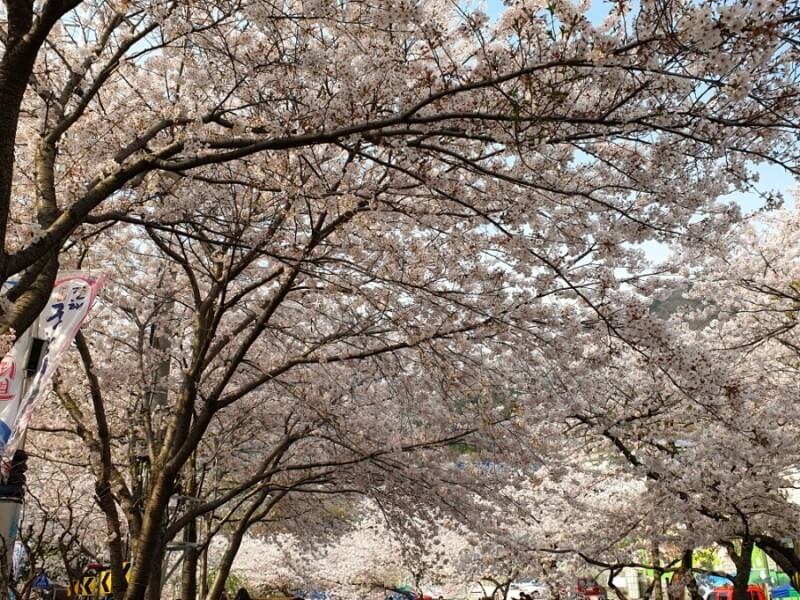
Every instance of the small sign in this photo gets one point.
(88, 583)
(42, 582)
(105, 583)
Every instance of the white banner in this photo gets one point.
(70, 301)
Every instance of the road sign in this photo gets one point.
(42, 582)
(88, 585)
(105, 582)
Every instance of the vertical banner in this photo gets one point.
(70, 301)
(12, 379)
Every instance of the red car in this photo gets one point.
(589, 589)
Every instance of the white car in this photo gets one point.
(533, 588)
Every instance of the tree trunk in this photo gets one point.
(234, 543)
(743, 562)
(658, 591)
(6, 549)
(683, 579)
(154, 579)
(687, 563)
(106, 502)
(25, 33)
(103, 492)
(190, 554)
(203, 583)
(12, 89)
(149, 546)
(190, 559)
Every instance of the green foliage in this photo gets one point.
(705, 558)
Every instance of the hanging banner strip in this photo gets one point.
(70, 301)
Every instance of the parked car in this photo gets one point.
(588, 589)
(725, 592)
(532, 587)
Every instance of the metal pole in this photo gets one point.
(10, 510)
(13, 486)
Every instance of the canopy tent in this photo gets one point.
(785, 591)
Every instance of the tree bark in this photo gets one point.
(203, 583)
(103, 472)
(6, 548)
(234, 543)
(25, 34)
(190, 559)
(15, 70)
(683, 579)
(31, 294)
(687, 564)
(153, 591)
(190, 553)
(743, 562)
(105, 501)
(149, 548)
(658, 591)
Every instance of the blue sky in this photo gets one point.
(597, 12)
(772, 177)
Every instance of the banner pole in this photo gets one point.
(25, 372)
(12, 489)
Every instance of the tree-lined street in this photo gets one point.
(399, 297)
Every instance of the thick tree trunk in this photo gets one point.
(25, 33)
(107, 504)
(149, 546)
(12, 89)
(154, 579)
(743, 564)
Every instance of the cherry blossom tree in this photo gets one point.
(61, 530)
(359, 241)
(702, 418)
(437, 96)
